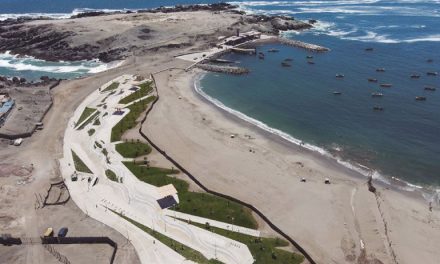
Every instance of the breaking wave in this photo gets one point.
(17, 64)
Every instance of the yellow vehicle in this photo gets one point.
(49, 232)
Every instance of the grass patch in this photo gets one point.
(130, 120)
(79, 164)
(133, 149)
(112, 86)
(89, 120)
(91, 131)
(111, 175)
(180, 248)
(264, 250)
(86, 113)
(144, 89)
(196, 203)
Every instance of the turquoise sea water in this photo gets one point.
(403, 141)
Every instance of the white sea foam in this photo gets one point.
(28, 63)
(361, 169)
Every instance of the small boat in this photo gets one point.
(432, 73)
(386, 85)
(339, 75)
(429, 88)
(286, 64)
(261, 56)
(429, 60)
(310, 62)
(378, 108)
(337, 93)
(376, 94)
(380, 69)
(372, 80)
(309, 57)
(288, 59)
(415, 76)
(273, 50)
(368, 49)
(261, 53)
(420, 98)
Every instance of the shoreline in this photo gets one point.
(362, 172)
(198, 138)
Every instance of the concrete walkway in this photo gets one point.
(133, 198)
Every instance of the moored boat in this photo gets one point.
(432, 73)
(261, 56)
(273, 50)
(285, 64)
(369, 49)
(378, 108)
(372, 80)
(309, 57)
(420, 98)
(339, 75)
(415, 76)
(337, 93)
(386, 85)
(310, 62)
(380, 69)
(429, 88)
(376, 94)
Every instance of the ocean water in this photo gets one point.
(401, 143)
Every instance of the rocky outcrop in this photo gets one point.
(285, 23)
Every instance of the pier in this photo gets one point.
(223, 69)
(303, 45)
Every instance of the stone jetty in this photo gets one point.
(223, 69)
(304, 45)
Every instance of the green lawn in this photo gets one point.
(130, 120)
(180, 248)
(79, 164)
(145, 89)
(89, 120)
(111, 175)
(264, 250)
(111, 87)
(133, 149)
(196, 203)
(86, 113)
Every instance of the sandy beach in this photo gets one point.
(338, 223)
(341, 222)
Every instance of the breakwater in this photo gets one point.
(288, 42)
(223, 69)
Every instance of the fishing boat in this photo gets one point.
(415, 76)
(337, 93)
(376, 94)
(386, 85)
(429, 60)
(368, 49)
(288, 59)
(339, 75)
(309, 57)
(285, 64)
(378, 108)
(310, 62)
(372, 80)
(432, 73)
(420, 98)
(429, 88)
(380, 69)
(261, 56)
(273, 50)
